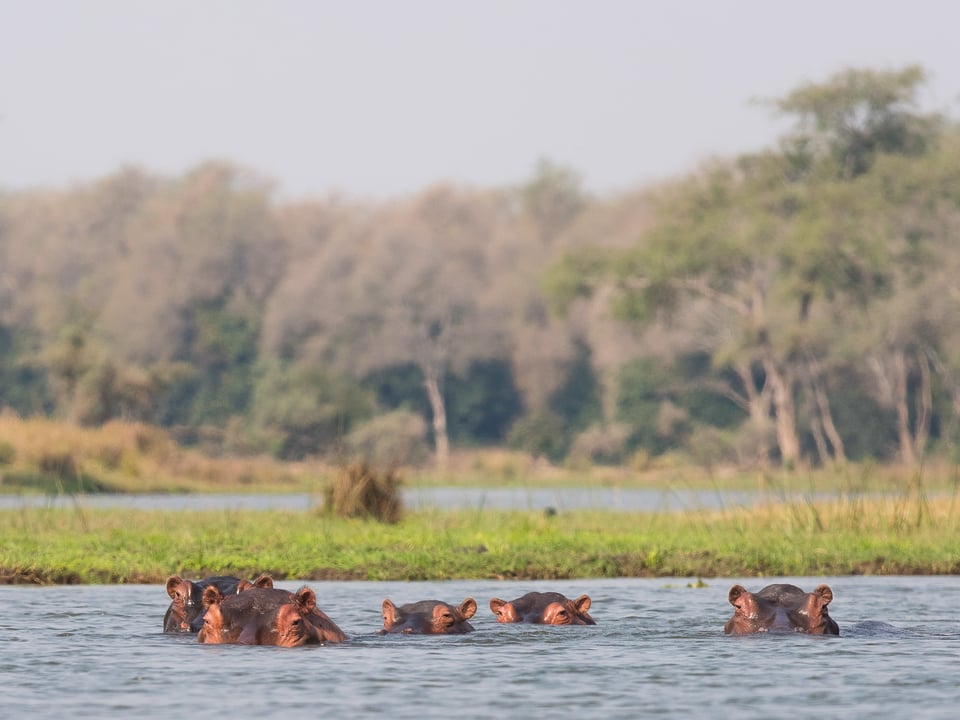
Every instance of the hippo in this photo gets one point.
(781, 608)
(428, 617)
(548, 608)
(185, 613)
(266, 616)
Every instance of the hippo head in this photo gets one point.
(428, 617)
(260, 616)
(185, 604)
(781, 608)
(548, 608)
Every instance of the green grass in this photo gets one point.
(908, 534)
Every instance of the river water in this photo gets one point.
(447, 498)
(658, 650)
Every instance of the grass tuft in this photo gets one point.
(359, 491)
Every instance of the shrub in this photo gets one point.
(541, 434)
(61, 465)
(8, 453)
(359, 491)
(604, 444)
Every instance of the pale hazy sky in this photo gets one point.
(382, 98)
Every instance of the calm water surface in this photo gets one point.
(658, 650)
(626, 500)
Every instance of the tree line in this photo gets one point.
(797, 305)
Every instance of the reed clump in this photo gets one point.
(361, 491)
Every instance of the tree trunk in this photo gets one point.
(826, 415)
(785, 413)
(924, 406)
(431, 381)
(758, 406)
(903, 409)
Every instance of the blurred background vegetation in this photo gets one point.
(796, 307)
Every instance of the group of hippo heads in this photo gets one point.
(253, 612)
(435, 617)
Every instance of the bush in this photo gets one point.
(359, 491)
(603, 444)
(8, 453)
(541, 434)
(710, 447)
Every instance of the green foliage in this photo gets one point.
(482, 403)
(573, 277)
(644, 387)
(301, 410)
(858, 114)
(24, 386)
(542, 434)
(221, 348)
(579, 399)
(399, 387)
(8, 453)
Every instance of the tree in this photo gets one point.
(857, 115)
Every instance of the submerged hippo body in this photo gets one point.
(428, 617)
(547, 608)
(781, 608)
(266, 616)
(185, 613)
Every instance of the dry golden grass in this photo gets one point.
(359, 491)
(53, 456)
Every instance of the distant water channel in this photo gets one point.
(626, 500)
(658, 650)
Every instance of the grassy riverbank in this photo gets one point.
(902, 535)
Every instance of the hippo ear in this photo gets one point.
(264, 581)
(825, 594)
(178, 588)
(496, 604)
(736, 592)
(390, 614)
(468, 608)
(212, 596)
(306, 598)
(582, 604)
(243, 585)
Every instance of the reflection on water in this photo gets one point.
(626, 500)
(658, 649)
